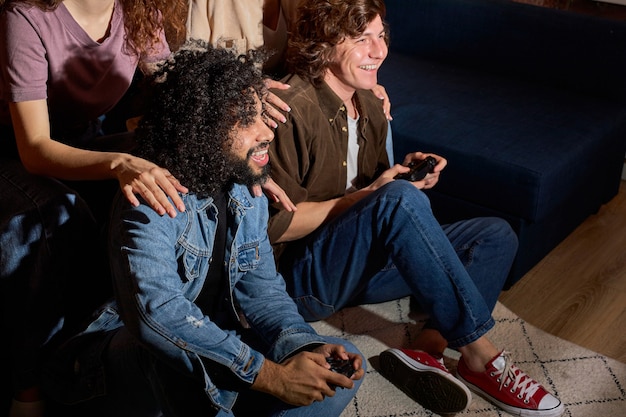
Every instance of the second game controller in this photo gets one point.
(419, 169)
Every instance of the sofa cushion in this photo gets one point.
(516, 146)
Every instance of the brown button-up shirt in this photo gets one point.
(309, 153)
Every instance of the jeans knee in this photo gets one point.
(404, 191)
(501, 231)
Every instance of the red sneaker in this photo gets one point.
(425, 379)
(505, 385)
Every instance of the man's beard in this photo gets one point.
(219, 171)
(240, 171)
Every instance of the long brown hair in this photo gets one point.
(141, 19)
(323, 24)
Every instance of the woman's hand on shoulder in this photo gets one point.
(274, 104)
(155, 184)
(380, 92)
(275, 193)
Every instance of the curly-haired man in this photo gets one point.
(201, 324)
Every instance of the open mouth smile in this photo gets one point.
(261, 155)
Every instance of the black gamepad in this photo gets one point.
(419, 169)
(341, 366)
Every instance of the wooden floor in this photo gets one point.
(578, 292)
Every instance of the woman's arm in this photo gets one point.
(42, 155)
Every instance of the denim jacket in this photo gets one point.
(159, 267)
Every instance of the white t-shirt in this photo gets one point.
(353, 153)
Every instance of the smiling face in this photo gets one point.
(356, 61)
(249, 148)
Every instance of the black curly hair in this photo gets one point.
(197, 98)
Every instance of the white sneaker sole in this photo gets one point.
(432, 388)
(516, 411)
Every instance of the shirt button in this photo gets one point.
(344, 163)
(344, 129)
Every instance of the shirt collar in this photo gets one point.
(239, 195)
(332, 106)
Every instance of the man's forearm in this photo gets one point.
(311, 215)
(268, 378)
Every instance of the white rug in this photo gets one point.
(589, 384)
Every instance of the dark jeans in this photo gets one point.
(389, 245)
(53, 266)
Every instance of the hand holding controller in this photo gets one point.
(419, 169)
(341, 366)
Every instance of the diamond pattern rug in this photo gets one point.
(589, 384)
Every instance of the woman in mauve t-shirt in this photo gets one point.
(64, 68)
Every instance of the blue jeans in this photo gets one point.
(389, 245)
(48, 238)
(53, 269)
(140, 385)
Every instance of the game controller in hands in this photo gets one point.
(419, 169)
(341, 366)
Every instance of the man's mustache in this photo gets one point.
(259, 147)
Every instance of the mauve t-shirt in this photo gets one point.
(47, 55)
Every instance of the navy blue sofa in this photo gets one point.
(528, 104)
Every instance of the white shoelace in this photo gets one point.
(526, 385)
(440, 360)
